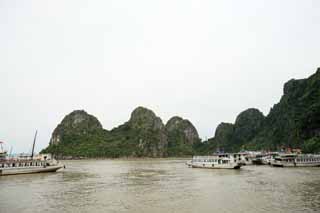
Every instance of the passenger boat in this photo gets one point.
(245, 158)
(251, 157)
(216, 161)
(266, 160)
(27, 165)
(16, 166)
(295, 160)
(258, 159)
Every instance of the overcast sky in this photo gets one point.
(203, 60)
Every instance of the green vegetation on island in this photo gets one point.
(293, 122)
(144, 135)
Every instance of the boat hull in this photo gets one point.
(257, 162)
(296, 165)
(216, 166)
(28, 170)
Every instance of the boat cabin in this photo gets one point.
(27, 163)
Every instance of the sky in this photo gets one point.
(205, 61)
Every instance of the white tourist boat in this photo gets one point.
(15, 167)
(269, 158)
(295, 160)
(216, 161)
(27, 165)
(257, 158)
(251, 157)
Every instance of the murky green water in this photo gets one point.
(140, 186)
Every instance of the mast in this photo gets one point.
(10, 153)
(34, 141)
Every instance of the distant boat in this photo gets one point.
(216, 161)
(27, 165)
(295, 160)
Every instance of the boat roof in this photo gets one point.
(212, 156)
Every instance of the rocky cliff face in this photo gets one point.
(151, 135)
(231, 137)
(143, 118)
(224, 135)
(247, 125)
(183, 127)
(182, 135)
(293, 122)
(78, 123)
(296, 118)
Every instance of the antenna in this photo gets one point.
(34, 141)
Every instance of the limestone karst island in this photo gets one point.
(293, 123)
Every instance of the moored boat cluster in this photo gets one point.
(237, 160)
